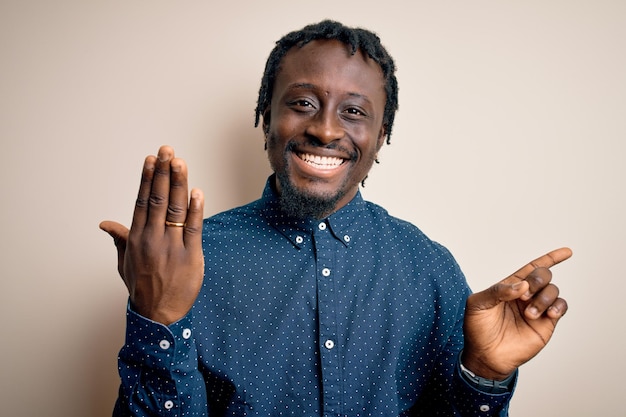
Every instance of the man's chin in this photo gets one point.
(303, 204)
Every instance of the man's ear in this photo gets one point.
(381, 136)
(266, 121)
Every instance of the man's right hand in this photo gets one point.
(160, 258)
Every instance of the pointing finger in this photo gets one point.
(546, 261)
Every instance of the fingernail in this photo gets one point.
(533, 311)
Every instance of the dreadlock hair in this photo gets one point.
(356, 38)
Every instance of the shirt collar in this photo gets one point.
(343, 224)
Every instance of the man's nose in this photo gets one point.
(326, 127)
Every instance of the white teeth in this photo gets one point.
(321, 162)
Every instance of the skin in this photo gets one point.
(325, 103)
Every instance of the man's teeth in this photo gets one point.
(321, 162)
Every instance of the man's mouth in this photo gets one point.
(321, 162)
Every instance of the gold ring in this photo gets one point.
(175, 224)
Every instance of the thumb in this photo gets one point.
(117, 231)
(498, 293)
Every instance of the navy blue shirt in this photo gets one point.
(358, 314)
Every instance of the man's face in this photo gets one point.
(324, 126)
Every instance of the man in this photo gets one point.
(312, 301)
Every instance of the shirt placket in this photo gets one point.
(327, 300)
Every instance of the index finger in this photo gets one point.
(143, 196)
(546, 261)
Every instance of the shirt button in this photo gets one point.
(326, 272)
(168, 405)
(186, 333)
(164, 344)
(484, 408)
(322, 226)
(299, 239)
(346, 238)
(329, 344)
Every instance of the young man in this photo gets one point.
(312, 301)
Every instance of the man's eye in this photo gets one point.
(354, 111)
(302, 103)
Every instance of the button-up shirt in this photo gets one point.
(357, 314)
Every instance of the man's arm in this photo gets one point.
(161, 262)
(508, 323)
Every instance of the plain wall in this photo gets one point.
(509, 142)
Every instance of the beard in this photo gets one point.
(299, 204)
(302, 203)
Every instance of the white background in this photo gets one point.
(509, 142)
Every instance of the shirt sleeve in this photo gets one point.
(447, 392)
(472, 401)
(158, 367)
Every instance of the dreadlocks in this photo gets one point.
(356, 38)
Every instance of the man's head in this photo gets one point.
(327, 100)
(355, 38)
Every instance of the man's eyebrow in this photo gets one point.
(360, 96)
(309, 86)
(304, 86)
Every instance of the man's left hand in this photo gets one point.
(510, 322)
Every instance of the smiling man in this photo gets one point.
(312, 301)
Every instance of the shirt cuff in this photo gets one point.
(156, 345)
(158, 366)
(470, 398)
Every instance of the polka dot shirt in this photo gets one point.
(358, 314)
